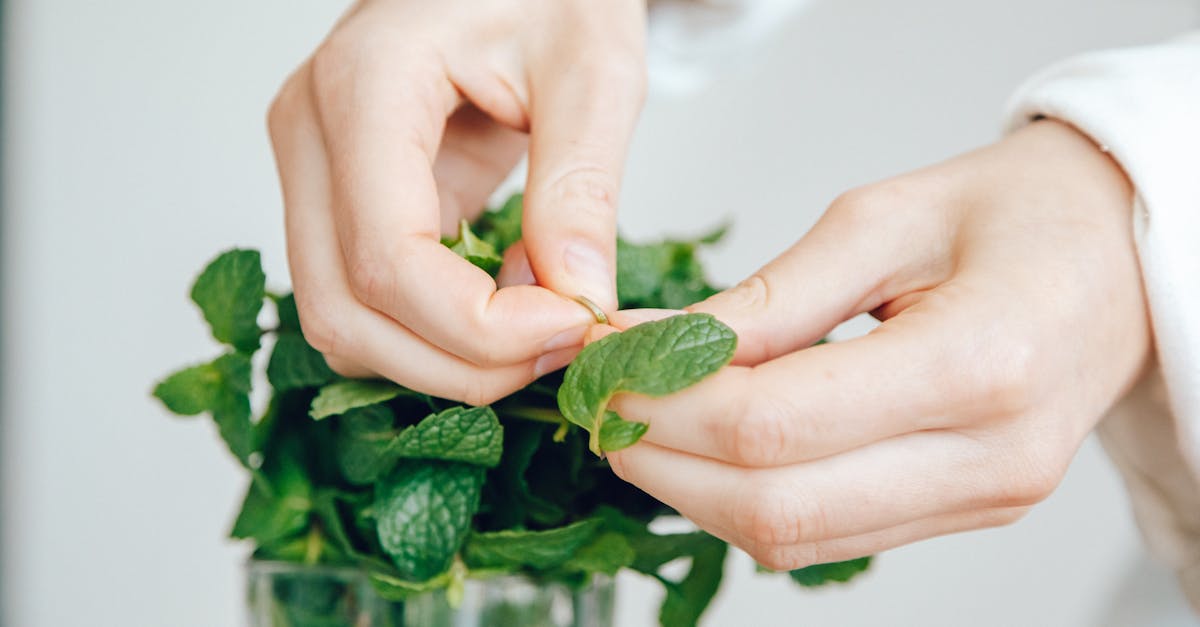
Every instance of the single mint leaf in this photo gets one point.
(714, 236)
(423, 509)
(653, 358)
(231, 405)
(340, 397)
(465, 434)
(392, 588)
(607, 553)
(617, 433)
(363, 442)
(512, 548)
(820, 574)
(277, 504)
(687, 599)
(289, 318)
(230, 293)
(480, 253)
(294, 364)
(190, 391)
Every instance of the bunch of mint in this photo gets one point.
(422, 492)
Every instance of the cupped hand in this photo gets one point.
(402, 123)
(1012, 317)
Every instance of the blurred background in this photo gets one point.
(135, 149)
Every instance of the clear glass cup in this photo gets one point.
(284, 594)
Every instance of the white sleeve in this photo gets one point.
(1143, 106)
(689, 40)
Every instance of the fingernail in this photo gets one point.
(591, 270)
(630, 317)
(566, 339)
(552, 361)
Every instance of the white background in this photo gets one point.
(136, 150)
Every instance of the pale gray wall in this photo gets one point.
(136, 150)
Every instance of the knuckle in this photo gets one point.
(752, 294)
(779, 558)
(370, 278)
(759, 435)
(475, 389)
(320, 327)
(770, 514)
(1007, 384)
(283, 110)
(1028, 483)
(340, 366)
(588, 190)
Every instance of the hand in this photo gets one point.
(402, 123)
(1013, 318)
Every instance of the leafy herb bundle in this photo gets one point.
(422, 492)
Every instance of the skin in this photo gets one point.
(404, 121)
(1012, 316)
(1006, 281)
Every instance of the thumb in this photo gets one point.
(580, 126)
(844, 266)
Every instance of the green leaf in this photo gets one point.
(230, 293)
(294, 364)
(653, 358)
(501, 227)
(617, 433)
(480, 253)
(221, 388)
(393, 588)
(190, 391)
(289, 318)
(465, 434)
(821, 574)
(607, 553)
(340, 397)
(231, 406)
(363, 442)
(687, 599)
(276, 506)
(424, 510)
(512, 548)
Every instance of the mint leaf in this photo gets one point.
(340, 397)
(820, 574)
(465, 434)
(276, 506)
(423, 511)
(190, 391)
(617, 433)
(294, 364)
(687, 599)
(607, 553)
(289, 318)
(539, 549)
(230, 293)
(653, 358)
(393, 588)
(231, 406)
(501, 227)
(480, 253)
(363, 443)
(221, 388)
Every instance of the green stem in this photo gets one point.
(313, 545)
(537, 414)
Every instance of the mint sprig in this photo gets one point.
(422, 492)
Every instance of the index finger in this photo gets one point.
(382, 126)
(907, 376)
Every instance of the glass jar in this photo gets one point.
(285, 594)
